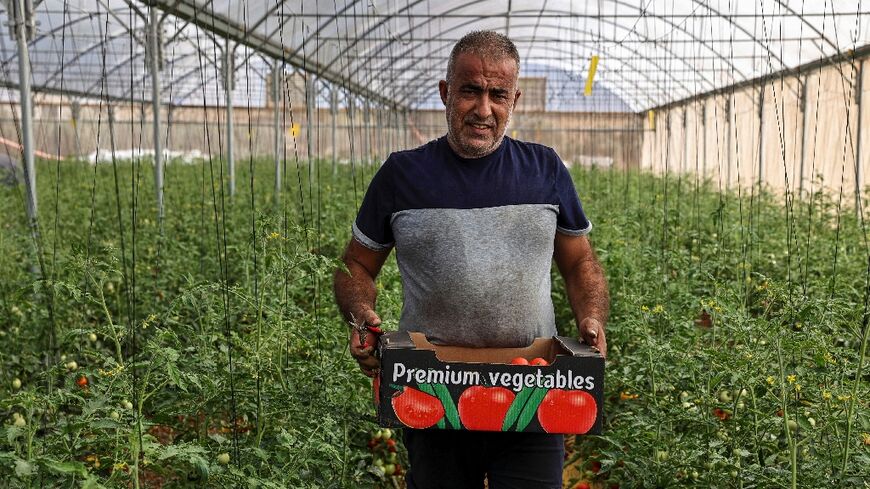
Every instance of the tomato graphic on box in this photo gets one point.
(416, 409)
(567, 411)
(484, 408)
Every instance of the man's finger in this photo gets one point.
(361, 353)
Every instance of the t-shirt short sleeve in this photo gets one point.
(571, 220)
(372, 225)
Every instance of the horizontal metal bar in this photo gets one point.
(212, 22)
(570, 15)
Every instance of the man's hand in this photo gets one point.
(355, 293)
(363, 351)
(586, 287)
(592, 333)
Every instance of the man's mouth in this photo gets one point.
(478, 126)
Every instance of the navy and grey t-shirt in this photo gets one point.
(473, 239)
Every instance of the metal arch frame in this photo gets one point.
(713, 11)
(626, 62)
(666, 21)
(770, 52)
(211, 21)
(570, 29)
(173, 61)
(85, 52)
(42, 89)
(837, 50)
(385, 45)
(182, 97)
(329, 20)
(197, 51)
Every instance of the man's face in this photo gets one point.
(479, 101)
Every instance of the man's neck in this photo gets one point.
(466, 156)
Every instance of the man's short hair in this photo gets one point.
(485, 44)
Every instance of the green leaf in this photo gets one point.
(450, 411)
(23, 468)
(13, 432)
(175, 375)
(92, 483)
(531, 407)
(201, 467)
(516, 408)
(67, 468)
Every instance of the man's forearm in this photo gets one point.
(587, 291)
(354, 291)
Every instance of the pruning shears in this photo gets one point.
(363, 329)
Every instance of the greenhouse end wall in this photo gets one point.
(804, 152)
(605, 139)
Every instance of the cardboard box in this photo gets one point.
(425, 386)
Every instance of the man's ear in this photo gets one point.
(516, 99)
(442, 89)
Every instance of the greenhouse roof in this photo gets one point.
(651, 52)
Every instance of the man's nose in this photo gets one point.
(483, 107)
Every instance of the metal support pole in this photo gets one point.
(405, 130)
(309, 129)
(22, 19)
(229, 84)
(333, 114)
(367, 141)
(277, 103)
(352, 129)
(704, 137)
(684, 165)
(760, 135)
(379, 135)
(859, 154)
(388, 116)
(154, 47)
(729, 114)
(804, 134)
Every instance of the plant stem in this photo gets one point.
(854, 395)
(791, 444)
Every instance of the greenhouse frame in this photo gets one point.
(181, 178)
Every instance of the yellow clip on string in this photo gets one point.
(593, 66)
(295, 129)
(514, 134)
(652, 119)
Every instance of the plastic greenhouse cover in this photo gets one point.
(651, 51)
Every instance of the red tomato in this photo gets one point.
(540, 362)
(519, 361)
(82, 381)
(417, 409)
(583, 485)
(595, 466)
(484, 408)
(567, 411)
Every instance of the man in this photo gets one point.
(476, 219)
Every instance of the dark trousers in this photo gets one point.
(461, 459)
